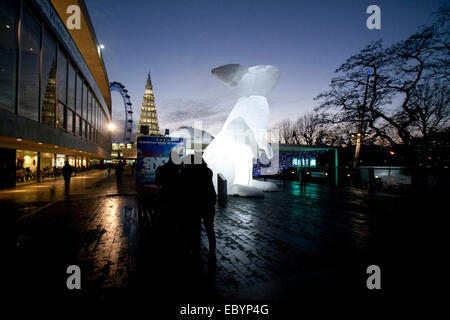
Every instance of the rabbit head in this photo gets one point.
(254, 81)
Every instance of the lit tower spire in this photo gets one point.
(148, 115)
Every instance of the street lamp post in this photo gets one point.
(362, 124)
(357, 150)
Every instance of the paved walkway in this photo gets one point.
(23, 201)
(54, 189)
(298, 242)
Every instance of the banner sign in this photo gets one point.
(129, 153)
(152, 152)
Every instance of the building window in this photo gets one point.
(85, 100)
(71, 79)
(60, 116)
(48, 82)
(30, 39)
(94, 113)
(69, 120)
(8, 56)
(79, 95)
(77, 124)
(61, 76)
(90, 108)
(80, 121)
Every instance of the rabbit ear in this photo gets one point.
(229, 74)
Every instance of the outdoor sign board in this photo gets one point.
(129, 153)
(152, 152)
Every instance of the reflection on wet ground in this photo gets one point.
(54, 189)
(294, 242)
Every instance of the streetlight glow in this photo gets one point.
(111, 126)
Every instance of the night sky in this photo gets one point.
(181, 41)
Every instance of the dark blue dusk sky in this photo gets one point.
(181, 41)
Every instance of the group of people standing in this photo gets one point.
(120, 169)
(187, 198)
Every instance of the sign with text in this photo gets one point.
(129, 153)
(152, 152)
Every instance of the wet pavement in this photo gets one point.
(95, 181)
(310, 241)
(28, 199)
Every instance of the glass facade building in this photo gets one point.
(54, 89)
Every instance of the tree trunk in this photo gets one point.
(357, 150)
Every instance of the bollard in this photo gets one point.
(222, 189)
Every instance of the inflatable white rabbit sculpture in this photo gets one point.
(243, 135)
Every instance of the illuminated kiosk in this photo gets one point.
(243, 135)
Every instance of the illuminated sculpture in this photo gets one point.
(243, 135)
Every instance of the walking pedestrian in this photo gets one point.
(67, 173)
(119, 172)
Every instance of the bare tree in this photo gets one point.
(286, 130)
(376, 89)
(431, 103)
(310, 128)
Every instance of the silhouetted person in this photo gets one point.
(67, 174)
(303, 176)
(119, 172)
(208, 211)
(4, 176)
(20, 174)
(169, 179)
(133, 168)
(200, 198)
(28, 174)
